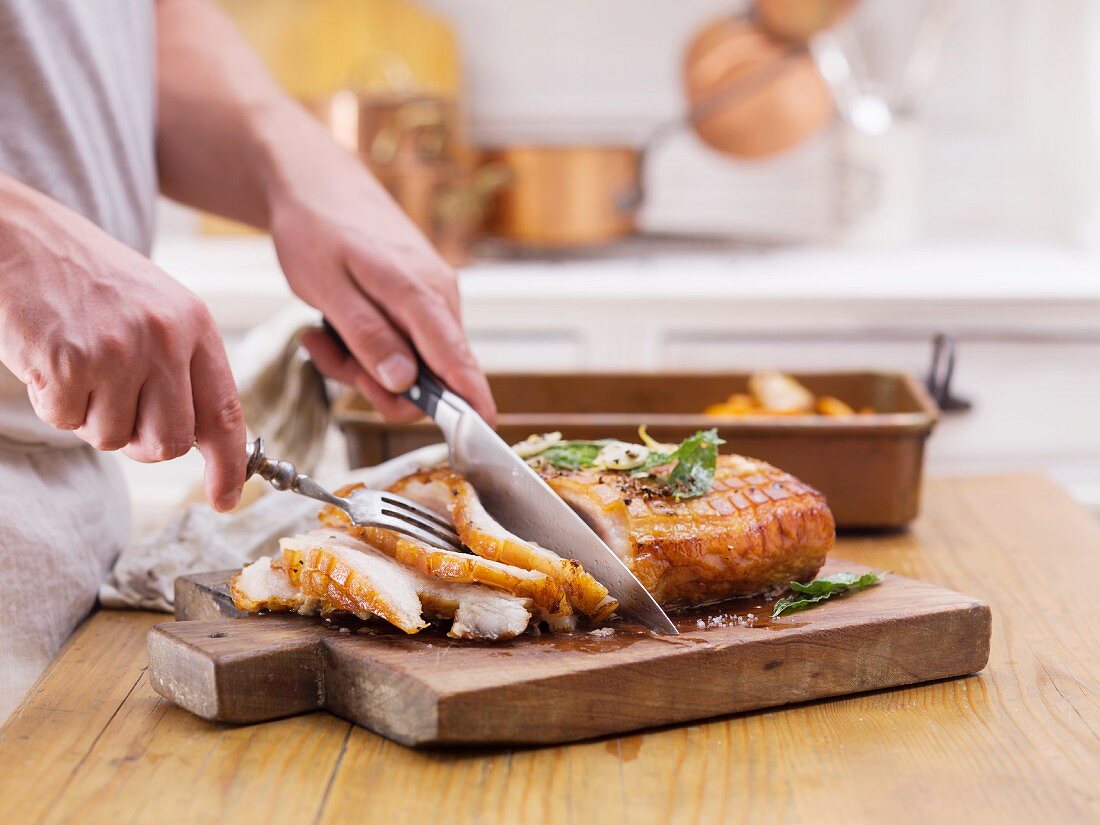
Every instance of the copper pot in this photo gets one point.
(560, 196)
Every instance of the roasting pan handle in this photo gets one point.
(940, 373)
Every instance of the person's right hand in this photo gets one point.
(110, 346)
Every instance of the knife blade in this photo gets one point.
(524, 504)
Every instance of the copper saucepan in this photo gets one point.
(560, 196)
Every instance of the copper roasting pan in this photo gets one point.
(868, 466)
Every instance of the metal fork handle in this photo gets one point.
(284, 476)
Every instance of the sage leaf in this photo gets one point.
(813, 593)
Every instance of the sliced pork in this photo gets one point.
(352, 577)
(755, 529)
(331, 572)
(478, 612)
(452, 566)
(449, 494)
(259, 586)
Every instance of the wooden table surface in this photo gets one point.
(1019, 742)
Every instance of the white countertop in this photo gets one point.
(240, 278)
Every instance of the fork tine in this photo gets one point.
(418, 509)
(407, 528)
(445, 533)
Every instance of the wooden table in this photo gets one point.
(1018, 742)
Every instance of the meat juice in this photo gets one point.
(750, 613)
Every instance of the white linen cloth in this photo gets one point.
(283, 395)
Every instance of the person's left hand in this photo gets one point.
(348, 250)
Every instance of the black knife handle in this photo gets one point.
(426, 392)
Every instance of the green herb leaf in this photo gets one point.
(819, 590)
(572, 455)
(653, 460)
(696, 460)
(837, 581)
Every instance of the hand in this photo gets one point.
(112, 348)
(349, 251)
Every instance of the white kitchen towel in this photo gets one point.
(282, 393)
(199, 540)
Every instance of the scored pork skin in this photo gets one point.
(757, 528)
(352, 577)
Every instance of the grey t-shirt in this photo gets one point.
(77, 109)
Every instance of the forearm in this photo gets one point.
(14, 209)
(33, 227)
(226, 133)
(230, 142)
(19, 206)
(20, 212)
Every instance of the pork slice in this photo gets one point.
(464, 568)
(353, 577)
(260, 586)
(478, 611)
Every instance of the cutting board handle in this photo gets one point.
(240, 670)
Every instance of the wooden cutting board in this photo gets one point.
(431, 690)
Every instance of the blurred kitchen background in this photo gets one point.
(659, 185)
